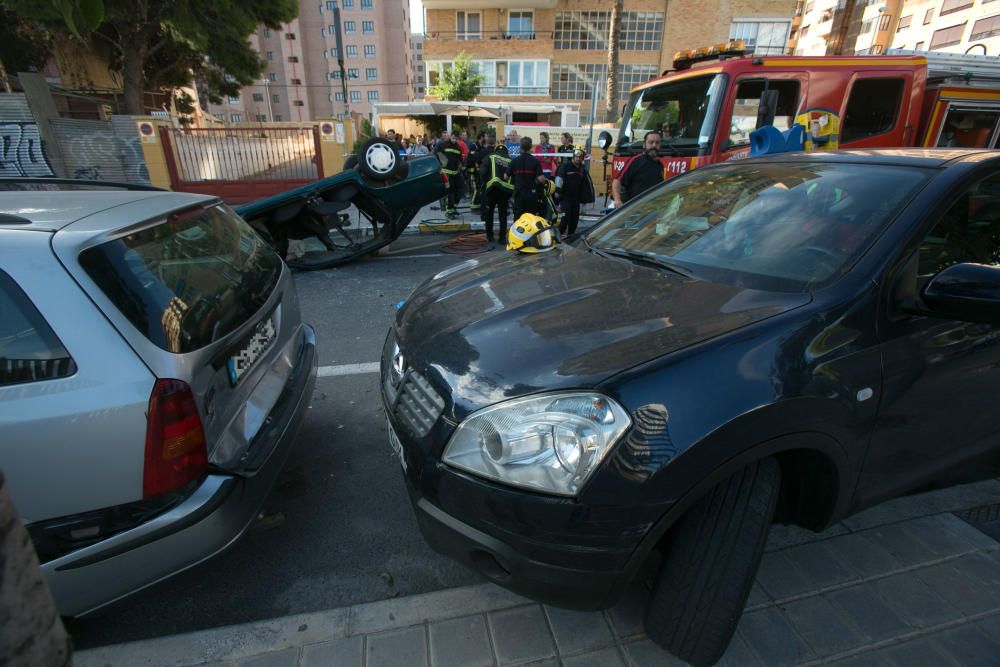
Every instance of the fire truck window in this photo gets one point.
(746, 108)
(969, 128)
(872, 108)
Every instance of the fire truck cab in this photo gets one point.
(709, 104)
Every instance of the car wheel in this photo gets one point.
(378, 160)
(710, 564)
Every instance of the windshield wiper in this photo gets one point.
(644, 258)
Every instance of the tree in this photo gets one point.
(160, 45)
(458, 83)
(611, 99)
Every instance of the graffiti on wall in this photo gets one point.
(21, 151)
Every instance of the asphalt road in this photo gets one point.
(338, 528)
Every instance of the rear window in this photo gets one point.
(189, 281)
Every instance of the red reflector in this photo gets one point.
(175, 441)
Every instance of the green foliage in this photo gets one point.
(162, 44)
(367, 131)
(460, 82)
(25, 45)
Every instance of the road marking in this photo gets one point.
(347, 369)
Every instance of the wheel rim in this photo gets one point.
(380, 158)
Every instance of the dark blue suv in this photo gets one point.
(789, 339)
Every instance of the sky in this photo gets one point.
(416, 16)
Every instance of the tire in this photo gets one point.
(379, 161)
(710, 564)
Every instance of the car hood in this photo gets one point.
(568, 318)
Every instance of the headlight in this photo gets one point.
(550, 442)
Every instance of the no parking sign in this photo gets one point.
(146, 132)
(327, 132)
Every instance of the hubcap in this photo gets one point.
(380, 158)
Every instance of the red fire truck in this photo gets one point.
(709, 104)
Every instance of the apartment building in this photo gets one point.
(956, 26)
(556, 50)
(843, 27)
(419, 69)
(303, 80)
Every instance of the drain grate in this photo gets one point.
(985, 519)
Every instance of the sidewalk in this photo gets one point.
(915, 581)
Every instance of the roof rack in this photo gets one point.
(77, 181)
(950, 65)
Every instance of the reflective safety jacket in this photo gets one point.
(454, 158)
(495, 173)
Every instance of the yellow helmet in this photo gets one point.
(532, 233)
(548, 187)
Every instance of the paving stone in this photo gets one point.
(862, 660)
(781, 577)
(915, 603)
(577, 631)
(968, 532)
(606, 657)
(460, 642)
(825, 629)
(958, 583)
(521, 635)
(943, 534)
(627, 616)
(287, 658)
(398, 648)
(917, 653)
(901, 542)
(644, 653)
(969, 646)
(769, 635)
(862, 605)
(758, 597)
(347, 652)
(548, 662)
(738, 654)
(863, 555)
(782, 537)
(820, 564)
(942, 500)
(991, 626)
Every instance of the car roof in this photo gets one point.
(931, 158)
(50, 211)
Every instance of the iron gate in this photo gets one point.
(241, 164)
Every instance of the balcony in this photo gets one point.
(490, 4)
(487, 35)
(512, 91)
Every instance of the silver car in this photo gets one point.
(154, 369)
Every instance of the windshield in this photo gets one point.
(776, 226)
(685, 113)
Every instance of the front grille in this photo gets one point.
(414, 403)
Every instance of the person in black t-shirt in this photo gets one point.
(526, 175)
(640, 173)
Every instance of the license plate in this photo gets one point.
(249, 354)
(396, 445)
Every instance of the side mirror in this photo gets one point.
(966, 292)
(605, 140)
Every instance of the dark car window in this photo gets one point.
(871, 108)
(188, 281)
(787, 226)
(968, 232)
(29, 350)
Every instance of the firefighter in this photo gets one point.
(574, 187)
(477, 152)
(453, 169)
(494, 174)
(526, 174)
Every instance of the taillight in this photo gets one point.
(175, 441)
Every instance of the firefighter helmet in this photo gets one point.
(532, 233)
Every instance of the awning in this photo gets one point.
(465, 109)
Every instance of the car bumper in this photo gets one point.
(212, 518)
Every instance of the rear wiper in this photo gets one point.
(643, 258)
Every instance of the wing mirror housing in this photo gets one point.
(967, 292)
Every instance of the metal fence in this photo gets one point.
(241, 154)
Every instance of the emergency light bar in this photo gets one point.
(734, 47)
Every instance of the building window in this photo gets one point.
(258, 97)
(270, 55)
(371, 73)
(350, 27)
(521, 25)
(366, 4)
(278, 118)
(468, 25)
(582, 30)
(576, 82)
(353, 73)
(369, 50)
(276, 99)
(340, 97)
(919, 46)
(261, 118)
(883, 23)
(326, 54)
(904, 23)
(289, 35)
(947, 36)
(348, 4)
(272, 76)
(630, 76)
(368, 27)
(296, 82)
(331, 5)
(334, 53)
(373, 96)
(928, 16)
(355, 95)
(804, 31)
(988, 27)
(293, 59)
(764, 37)
(234, 100)
(871, 108)
(949, 6)
(641, 31)
(266, 33)
(352, 51)
(866, 27)
(298, 103)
